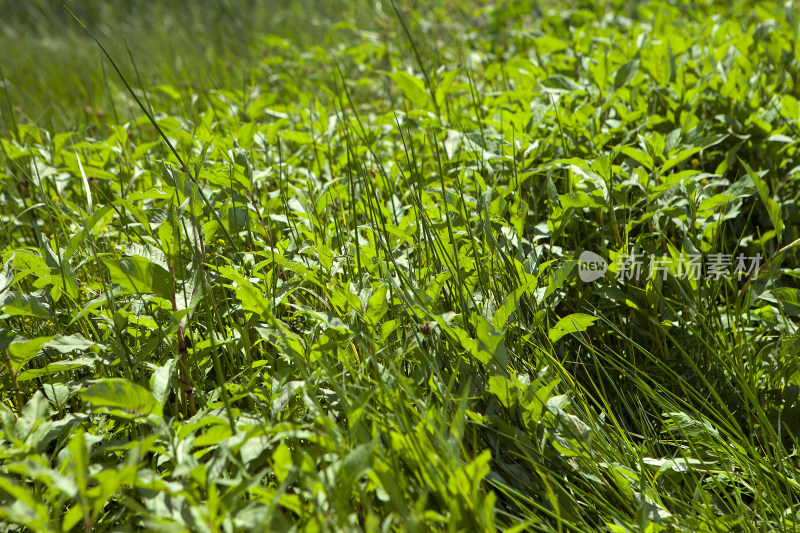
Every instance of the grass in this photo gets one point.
(340, 284)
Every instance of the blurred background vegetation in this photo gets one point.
(51, 67)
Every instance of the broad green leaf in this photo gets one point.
(491, 343)
(552, 193)
(787, 297)
(413, 88)
(468, 479)
(355, 465)
(162, 380)
(709, 204)
(213, 435)
(6, 276)
(59, 393)
(252, 299)
(16, 304)
(376, 306)
(281, 462)
(61, 274)
(640, 156)
(599, 73)
(56, 367)
(789, 107)
(503, 389)
(71, 343)
(389, 326)
(463, 339)
(510, 304)
(119, 397)
(576, 427)
(534, 407)
(26, 506)
(580, 200)
(778, 138)
(137, 275)
(149, 252)
(22, 350)
(573, 323)
(626, 73)
(773, 209)
(328, 320)
(299, 137)
(168, 237)
(680, 157)
(80, 461)
(602, 167)
(558, 83)
(445, 85)
(245, 135)
(345, 300)
(559, 278)
(6, 338)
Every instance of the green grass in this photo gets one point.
(336, 285)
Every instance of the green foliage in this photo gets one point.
(339, 286)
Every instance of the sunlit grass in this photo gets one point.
(326, 276)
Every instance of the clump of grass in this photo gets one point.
(347, 293)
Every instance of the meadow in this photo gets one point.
(371, 266)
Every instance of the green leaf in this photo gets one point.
(27, 506)
(559, 83)
(56, 367)
(534, 407)
(22, 350)
(773, 209)
(580, 200)
(138, 275)
(503, 389)
(573, 323)
(376, 306)
(162, 380)
(788, 297)
(640, 156)
(71, 343)
(121, 398)
(680, 157)
(357, 463)
(489, 348)
(709, 204)
(6, 338)
(345, 300)
(245, 135)
(552, 193)
(6, 276)
(626, 73)
(17, 304)
(59, 393)
(742, 188)
(445, 85)
(469, 477)
(559, 278)
(282, 462)
(168, 236)
(492, 343)
(413, 88)
(252, 299)
(298, 137)
(80, 461)
(511, 303)
(328, 320)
